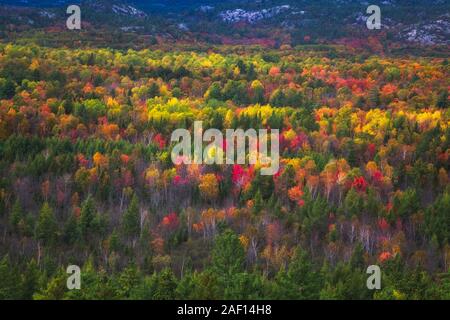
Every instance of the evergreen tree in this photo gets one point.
(30, 280)
(87, 216)
(300, 281)
(16, 215)
(46, 229)
(228, 255)
(131, 219)
(71, 230)
(9, 280)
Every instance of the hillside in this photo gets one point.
(274, 22)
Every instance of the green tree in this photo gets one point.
(353, 203)
(9, 280)
(71, 230)
(300, 281)
(437, 219)
(7, 89)
(46, 229)
(442, 100)
(228, 256)
(214, 91)
(30, 280)
(56, 288)
(278, 98)
(131, 219)
(16, 215)
(87, 216)
(199, 286)
(159, 286)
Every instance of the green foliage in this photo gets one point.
(9, 280)
(353, 203)
(131, 218)
(7, 89)
(437, 219)
(228, 255)
(47, 228)
(300, 281)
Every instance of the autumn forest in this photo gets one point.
(86, 176)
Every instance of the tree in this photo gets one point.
(30, 280)
(209, 187)
(257, 92)
(9, 280)
(87, 217)
(131, 219)
(199, 286)
(406, 203)
(300, 281)
(46, 229)
(228, 256)
(7, 89)
(55, 289)
(442, 100)
(353, 203)
(96, 285)
(71, 230)
(228, 259)
(214, 92)
(374, 97)
(278, 98)
(437, 219)
(16, 215)
(159, 286)
(357, 258)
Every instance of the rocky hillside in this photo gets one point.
(293, 22)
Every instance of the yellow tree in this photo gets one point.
(209, 187)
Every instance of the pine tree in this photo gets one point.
(228, 255)
(46, 229)
(30, 280)
(71, 230)
(131, 219)
(374, 97)
(9, 280)
(16, 215)
(300, 281)
(442, 100)
(87, 216)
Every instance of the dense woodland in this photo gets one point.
(86, 176)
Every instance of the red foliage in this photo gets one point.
(170, 221)
(360, 184)
(298, 141)
(295, 194)
(389, 207)
(383, 224)
(377, 176)
(125, 158)
(384, 256)
(237, 173)
(82, 160)
(159, 140)
(127, 177)
(371, 148)
(179, 181)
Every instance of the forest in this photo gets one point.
(86, 176)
